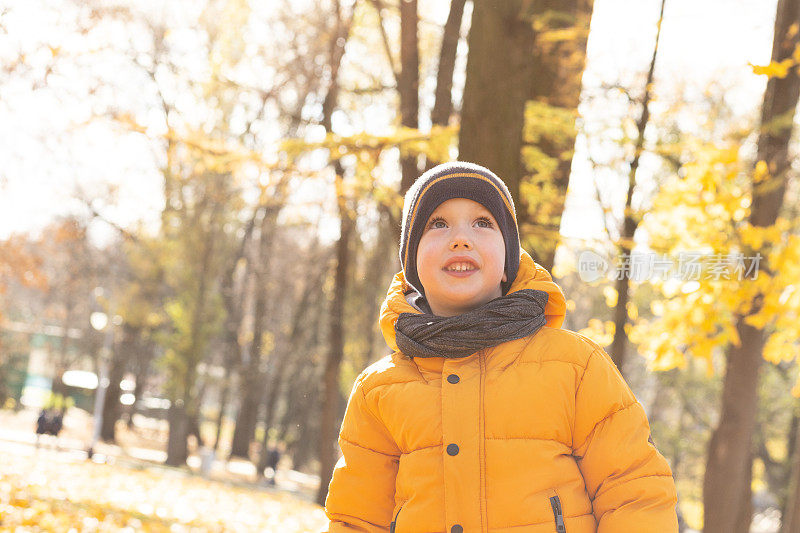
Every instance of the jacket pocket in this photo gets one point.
(555, 504)
(393, 525)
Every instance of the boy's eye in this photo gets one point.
(484, 222)
(437, 223)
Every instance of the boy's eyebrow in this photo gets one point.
(435, 218)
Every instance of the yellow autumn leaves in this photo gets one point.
(780, 69)
(704, 209)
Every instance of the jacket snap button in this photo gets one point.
(456, 529)
(452, 449)
(452, 378)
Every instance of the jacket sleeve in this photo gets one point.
(628, 480)
(361, 492)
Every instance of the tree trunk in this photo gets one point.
(223, 403)
(252, 378)
(443, 97)
(58, 388)
(617, 351)
(141, 370)
(308, 428)
(729, 460)
(777, 473)
(111, 406)
(725, 488)
(630, 219)
(380, 268)
(509, 64)
(558, 65)
(177, 447)
(194, 427)
(332, 394)
(112, 410)
(273, 392)
(498, 83)
(233, 320)
(408, 85)
(248, 410)
(299, 322)
(185, 397)
(790, 516)
(329, 411)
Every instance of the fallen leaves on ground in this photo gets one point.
(46, 490)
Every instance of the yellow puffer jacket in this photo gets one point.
(536, 435)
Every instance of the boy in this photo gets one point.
(488, 417)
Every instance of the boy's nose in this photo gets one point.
(460, 242)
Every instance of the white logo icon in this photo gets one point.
(591, 266)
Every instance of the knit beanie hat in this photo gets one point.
(457, 180)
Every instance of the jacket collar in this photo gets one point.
(531, 275)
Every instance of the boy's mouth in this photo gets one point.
(460, 265)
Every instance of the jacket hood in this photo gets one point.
(531, 275)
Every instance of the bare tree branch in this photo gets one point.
(379, 5)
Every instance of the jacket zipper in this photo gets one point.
(393, 525)
(555, 503)
(482, 441)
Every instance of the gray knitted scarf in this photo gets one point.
(503, 319)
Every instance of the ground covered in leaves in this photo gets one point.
(50, 490)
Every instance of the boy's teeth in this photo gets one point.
(460, 267)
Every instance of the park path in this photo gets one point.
(56, 488)
(138, 451)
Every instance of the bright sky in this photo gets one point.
(45, 161)
(702, 42)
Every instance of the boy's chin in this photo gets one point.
(461, 303)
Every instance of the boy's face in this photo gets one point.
(461, 257)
